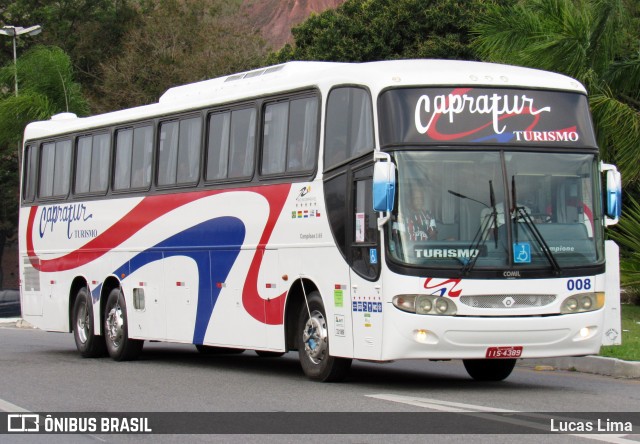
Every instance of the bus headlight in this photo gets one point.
(583, 302)
(425, 304)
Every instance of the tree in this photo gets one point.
(46, 88)
(364, 30)
(90, 31)
(590, 40)
(180, 41)
(626, 234)
(595, 41)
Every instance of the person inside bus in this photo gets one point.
(415, 220)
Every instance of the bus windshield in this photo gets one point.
(496, 209)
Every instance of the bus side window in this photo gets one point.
(83, 164)
(218, 146)
(275, 138)
(92, 164)
(124, 147)
(290, 136)
(100, 163)
(29, 177)
(231, 144)
(134, 148)
(141, 157)
(349, 127)
(179, 157)
(242, 143)
(364, 247)
(55, 169)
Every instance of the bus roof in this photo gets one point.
(298, 75)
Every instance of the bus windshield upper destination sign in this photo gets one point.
(485, 116)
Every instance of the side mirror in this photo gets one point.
(613, 208)
(384, 183)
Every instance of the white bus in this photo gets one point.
(379, 211)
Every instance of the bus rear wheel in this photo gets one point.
(119, 346)
(313, 344)
(88, 344)
(489, 369)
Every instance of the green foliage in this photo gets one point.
(630, 348)
(180, 41)
(626, 235)
(576, 37)
(588, 40)
(46, 87)
(90, 31)
(365, 30)
(595, 41)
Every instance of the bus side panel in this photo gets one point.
(148, 319)
(612, 327)
(231, 325)
(307, 251)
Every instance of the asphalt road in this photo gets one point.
(42, 372)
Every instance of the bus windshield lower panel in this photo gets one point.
(496, 210)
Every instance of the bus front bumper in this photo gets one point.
(412, 336)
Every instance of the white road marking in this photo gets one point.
(485, 412)
(6, 406)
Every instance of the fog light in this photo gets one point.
(425, 337)
(586, 333)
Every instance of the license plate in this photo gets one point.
(503, 352)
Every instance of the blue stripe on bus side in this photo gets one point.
(214, 246)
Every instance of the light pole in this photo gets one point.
(15, 32)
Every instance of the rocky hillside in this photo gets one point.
(277, 17)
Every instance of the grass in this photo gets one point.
(630, 348)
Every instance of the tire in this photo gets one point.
(88, 344)
(212, 350)
(116, 334)
(268, 354)
(313, 344)
(489, 369)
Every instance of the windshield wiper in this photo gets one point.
(484, 228)
(520, 213)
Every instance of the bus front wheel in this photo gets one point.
(489, 369)
(119, 346)
(88, 344)
(313, 344)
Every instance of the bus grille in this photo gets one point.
(508, 301)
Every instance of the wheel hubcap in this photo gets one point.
(314, 337)
(83, 323)
(114, 325)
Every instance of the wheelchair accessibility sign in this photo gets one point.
(522, 253)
